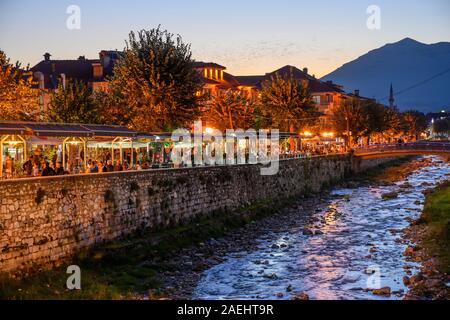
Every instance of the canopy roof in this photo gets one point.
(45, 129)
(12, 128)
(64, 129)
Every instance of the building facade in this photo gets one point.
(50, 74)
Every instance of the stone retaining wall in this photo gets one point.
(44, 221)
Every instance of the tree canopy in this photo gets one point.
(368, 119)
(156, 81)
(287, 104)
(18, 99)
(415, 122)
(74, 103)
(230, 110)
(441, 126)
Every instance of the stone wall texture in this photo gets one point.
(44, 221)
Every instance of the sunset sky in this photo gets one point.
(248, 37)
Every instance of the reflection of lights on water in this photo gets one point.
(331, 265)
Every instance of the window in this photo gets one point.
(316, 99)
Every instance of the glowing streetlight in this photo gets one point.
(327, 134)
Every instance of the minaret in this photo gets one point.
(391, 97)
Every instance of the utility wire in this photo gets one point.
(418, 84)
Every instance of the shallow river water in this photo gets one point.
(357, 244)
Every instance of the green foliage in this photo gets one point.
(393, 122)
(367, 118)
(287, 104)
(74, 103)
(415, 122)
(49, 153)
(155, 81)
(18, 100)
(436, 217)
(230, 110)
(373, 118)
(441, 126)
(349, 120)
(113, 107)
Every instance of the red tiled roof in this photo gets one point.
(314, 84)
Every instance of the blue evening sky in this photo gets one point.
(248, 37)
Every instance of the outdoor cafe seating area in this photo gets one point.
(29, 149)
(34, 149)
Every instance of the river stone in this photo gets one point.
(386, 291)
(389, 195)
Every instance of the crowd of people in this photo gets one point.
(39, 166)
(48, 168)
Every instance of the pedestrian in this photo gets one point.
(35, 171)
(9, 166)
(118, 166)
(47, 171)
(93, 167)
(28, 166)
(109, 166)
(146, 165)
(59, 169)
(102, 167)
(88, 166)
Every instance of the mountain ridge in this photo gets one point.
(419, 72)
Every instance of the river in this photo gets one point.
(355, 243)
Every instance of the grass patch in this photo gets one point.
(436, 218)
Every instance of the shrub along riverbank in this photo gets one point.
(432, 233)
(436, 216)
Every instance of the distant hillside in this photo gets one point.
(405, 64)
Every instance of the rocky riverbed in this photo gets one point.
(348, 243)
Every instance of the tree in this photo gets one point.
(441, 126)
(113, 110)
(415, 122)
(18, 99)
(373, 119)
(157, 82)
(74, 103)
(350, 120)
(287, 103)
(230, 110)
(393, 121)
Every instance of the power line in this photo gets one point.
(418, 84)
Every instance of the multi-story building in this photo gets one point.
(49, 74)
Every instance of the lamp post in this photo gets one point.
(348, 131)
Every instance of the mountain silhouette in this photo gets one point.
(419, 73)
